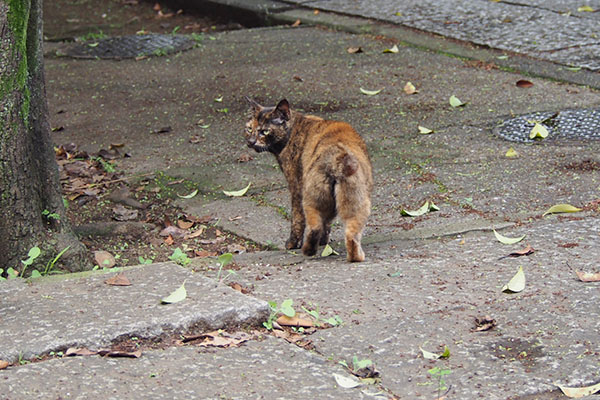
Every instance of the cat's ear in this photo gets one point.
(283, 107)
(255, 106)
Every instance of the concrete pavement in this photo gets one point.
(426, 278)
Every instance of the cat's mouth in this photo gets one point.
(258, 148)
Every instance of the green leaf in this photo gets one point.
(446, 353)
(36, 274)
(429, 355)
(328, 250)
(178, 295)
(219, 99)
(237, 193)
(425, 131)
(455, 102)
(502, 57)
(507, 240)
(189, 196)
(394, 49)
(576, 393)
(287, 309)
(517, 282)
(424, 208)
(561, 208)
(225, 259)
(370, 92)
(538, 131)
(204, 126)
(433, 207)
(34, 252)
(511, 153)
(360, 364)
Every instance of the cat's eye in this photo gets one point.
(265, 132)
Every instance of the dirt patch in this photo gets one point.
(92, 19)
(583, 166)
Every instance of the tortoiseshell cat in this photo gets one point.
(327, 169)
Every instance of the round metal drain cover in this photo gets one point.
(567, 124)
(130, 46)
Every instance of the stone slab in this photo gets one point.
(81, 310)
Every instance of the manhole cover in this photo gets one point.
(567, 124)
(130, 46)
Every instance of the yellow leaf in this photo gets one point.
(538, 131)
(511, 153)
(455, 102)
(507, 240)
(178, 295)
(370, 92)
(237, 193)
(424, 131)
(409, 88)
(585, 9)
(394, 49)
(561, 208)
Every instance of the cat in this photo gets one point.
(327, 169)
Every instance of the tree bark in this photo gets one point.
(29, 182)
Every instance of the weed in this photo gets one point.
(143, 260)
(10, 273)
(108, 167)
(356, 364)
(179, 257)
(286, 308)
(333, 321)
(197, 37)
(439, 373)
(93, 36)
(50, 215)
(224, 259)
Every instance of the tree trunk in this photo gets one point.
(29, 182)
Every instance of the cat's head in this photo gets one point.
(268, 127)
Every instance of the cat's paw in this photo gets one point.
(293, 243)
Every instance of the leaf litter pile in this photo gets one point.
(132, 220)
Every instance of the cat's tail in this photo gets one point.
(346, 165)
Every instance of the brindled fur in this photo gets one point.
(327, 168)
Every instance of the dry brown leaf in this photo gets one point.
(119, 353)
(409, 88)
(104, 259)
(156, 7)
(298, 78)
(524, 84)
(524, 252)
(118, 280)
(4, 364)
(219, 339)
(354, 50)
(295, 321)
(588, 276)
(297, 23)
(245, 157)
(185, 224)
(484, 324)
(173, 231)
(79, 351)
(195, 234)
(169, 240)
(204, 253)
(316, 12)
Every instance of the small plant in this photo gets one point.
(179, 257)
(286, 308)
(333, 321)
(175, 30)
(34, 253)
(93, 36)
(143, 260)
(108, 167)
(197, 37)
(10, 273)
(440, 373)
(224, 259)
(357, 364)
(50, 215)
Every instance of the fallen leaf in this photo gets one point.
(517, 282)
(393, 49)
(585, 9)
(346, 381)
(295, 321)
(538, 131)
(354, 50)
(245, 157)
(296, 23)
(197, 233)
(588, 277)
(328, 250)
(4, 364)
(511, 153)
(561, 208)
(409, 88)
(104, 259)
(164, 129)
(219, 339)
(183, 224)
(79, 351)
(118, 280)
(455, 102)
(519, 253)
(178, 295)
(204, 253)
(370, 92)
(524, 84)
(169, 240)
(316, 12)
(507, 240)
(428, 206)
(484, 324)
(237, 193)
(189, 196)
(424, 131)
(173, 231)
(236, 248)
(119, 353)
(576, 393)
(428, 355)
